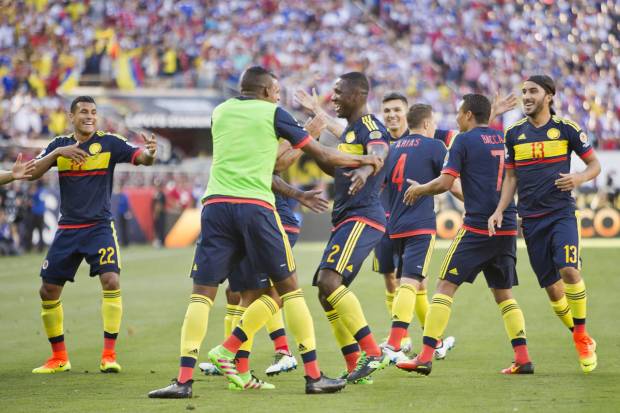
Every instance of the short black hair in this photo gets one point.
(358, 80)
(417, 114)
(87, 99)
(395, 96)
(254, 78)
(479, 105)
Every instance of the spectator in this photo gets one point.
(159, 215)
(36, 218)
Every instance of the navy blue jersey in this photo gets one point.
(477, 157)
(86, 188)
(445, 135)
(538, 156)
(288, 128)
(365, 204)
(385, 199)
(285, 210)
(421, 159)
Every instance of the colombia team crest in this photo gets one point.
(349, 137)
(553, 133)
(94, 148)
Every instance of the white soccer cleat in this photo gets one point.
(282, 362)
(394, 355)
(406, 345)
(446, 345)
(209, 369)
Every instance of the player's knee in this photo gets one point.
(446, 288)
(570, 275)
(232, 297)
(323, 300)
(555, 291)
(501, 294)
(49, 292)
(328, 282)
(110, 281)
(391, 282)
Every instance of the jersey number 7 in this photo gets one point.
(500, 171)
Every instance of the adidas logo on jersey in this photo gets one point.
(521, 137)
(453, 271)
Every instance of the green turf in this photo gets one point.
(155, 292)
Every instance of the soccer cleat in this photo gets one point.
(225, 363)
(416, 365)
(441, 351)
(516, 368)
(406, 345)
(394, 355)
(366, 365)
(174, 390)
(324, 385)
(283, 361)
(364, 380)
(586, 347)
(109, 364)
(252, 383)
(209, 369)
(53, 365)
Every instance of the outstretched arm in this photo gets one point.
(311, 199)
(333, 158)
(311, 103)
(360, 175)
(20, 170)
(148, 155)
(438, 185)
(502, 105)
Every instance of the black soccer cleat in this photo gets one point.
(366, 365)
(174, 390)
(324, 385)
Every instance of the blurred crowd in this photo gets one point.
(435, 50)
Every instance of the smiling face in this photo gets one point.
(84, 118)
(345, 98)
(272, 92)
(535, 99)
(395, 115)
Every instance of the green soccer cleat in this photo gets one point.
(251, 383)
(365, 380)
(224, 360)
(109, 365)
(53, 365)
(366, 365)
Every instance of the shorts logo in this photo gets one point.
(349, 268)
(375, 134)
(522, 137)
(95, 148)
(453, 271)
(302, 348)
(583, 138)
(349, 137)
(45, 264)
(553, 133)
(195, 267)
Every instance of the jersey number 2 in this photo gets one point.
(398, 176)
(103, 259)
(500, 170)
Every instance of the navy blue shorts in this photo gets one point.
(471, 253)
(348, 247)
(97, 244)
(553, 242)
(234, 229)
(414, 255)
(244, 278)
(385, 258)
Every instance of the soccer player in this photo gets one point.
(412, 229)
(477, 156)
(538, 156)
(20, 170)
(238, 220)
(85, 161)
(359, 223)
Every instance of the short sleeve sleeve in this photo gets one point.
(288, 128)
(454, 162)
(373, 132)
(578, 140)
(49, 149)
(124, 152)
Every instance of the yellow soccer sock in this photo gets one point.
(351, 315)
(421, 306)
(346, 341)
(404, 304)
(112, 313)
(277, 333)
(577, 301)
(195, 326)
(52, 316)
(562, 310)
(514, 322)
(228, 319)
(234, 322)
(300, 323)
(389, 300)
(257, 314)
(275, 323)
(435, 324)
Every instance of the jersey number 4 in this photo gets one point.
(398, 175)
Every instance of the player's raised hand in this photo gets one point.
(315, 125)
(358, 178)
(73, 152)
(314, 201)
(22, 170)
(495, 221)
(372, 160)
(150, 144)
(504, 104)
(411, 194)
(307, 101)
(568, 182)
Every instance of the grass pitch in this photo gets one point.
(155, 293)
